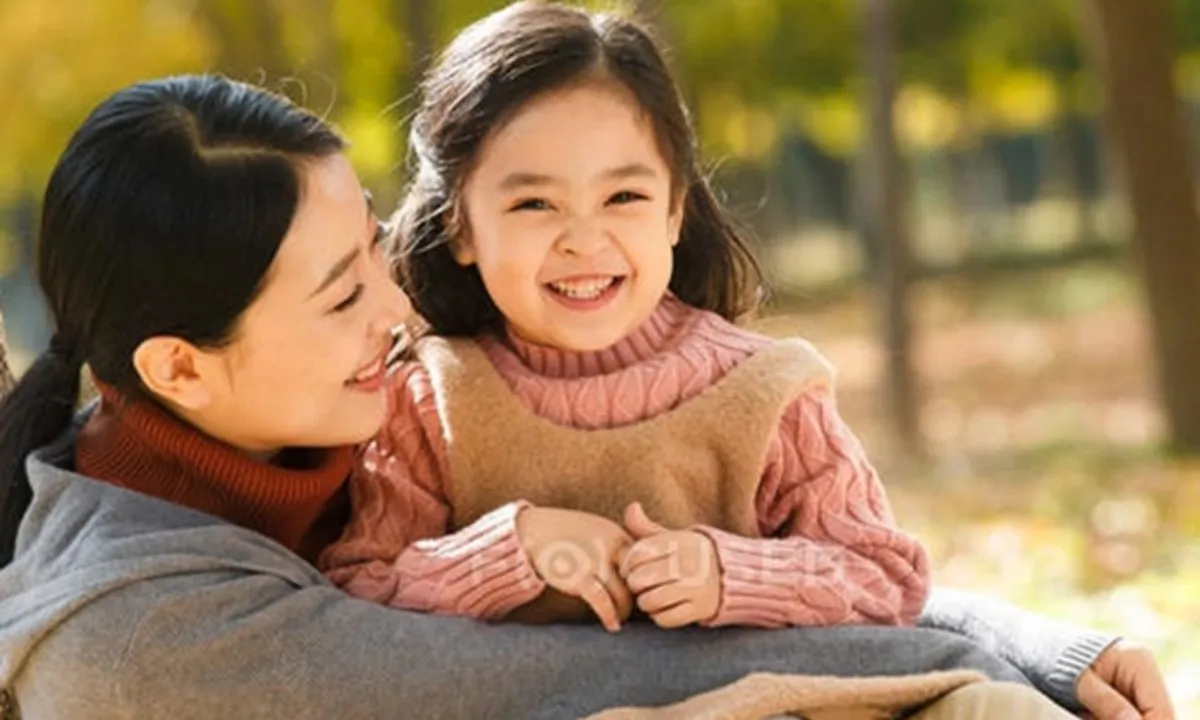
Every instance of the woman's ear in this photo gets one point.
(175, 371)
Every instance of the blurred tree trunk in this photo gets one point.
(1074, 148)
(1134, 43)
(648, 11)
(249, 46)
(884, 224)
(7, 380)
(322, 69)
(418, 17)
(656, 16)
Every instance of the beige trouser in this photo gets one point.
(994, 701)
(981, 701)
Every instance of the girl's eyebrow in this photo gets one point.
(522, 179)
(630, 170)
(519, 179)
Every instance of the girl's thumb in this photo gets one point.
(638, 524)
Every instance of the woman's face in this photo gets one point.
(306, 364)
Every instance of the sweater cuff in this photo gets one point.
(1063, 683)
(756, 585)
(494, 574)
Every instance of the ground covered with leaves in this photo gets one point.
(1043, 480)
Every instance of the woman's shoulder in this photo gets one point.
(93, 562)
(75, 520)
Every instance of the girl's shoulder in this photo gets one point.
(408, 381)
(411, 406)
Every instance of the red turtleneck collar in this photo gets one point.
(139, 446)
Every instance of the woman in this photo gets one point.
(207, 251)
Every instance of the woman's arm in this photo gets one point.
(1053, 655)
(243, 644)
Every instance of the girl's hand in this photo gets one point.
(673, 573)
(577, 553)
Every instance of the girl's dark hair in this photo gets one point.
(488, 73)
(161, 217)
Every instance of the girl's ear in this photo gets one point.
(463, 250)
(675, 218)
(461, 246)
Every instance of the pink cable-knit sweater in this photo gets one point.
(829, 551)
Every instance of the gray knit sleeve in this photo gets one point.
(1053, 655)
(221, 644)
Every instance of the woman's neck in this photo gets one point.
(140, 446)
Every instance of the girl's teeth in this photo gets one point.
(585, 290)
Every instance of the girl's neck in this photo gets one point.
(658, 334)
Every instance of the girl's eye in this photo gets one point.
(352, 298)
(530, 204)
(626, 196)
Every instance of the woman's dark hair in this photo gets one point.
(486, 75)
(161, 217)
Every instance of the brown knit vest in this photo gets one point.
(698, 463)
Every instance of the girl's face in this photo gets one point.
(306, 365)
(571, 218)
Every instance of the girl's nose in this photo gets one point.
(582, 238)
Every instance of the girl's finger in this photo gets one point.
(675, 617)
(596, 595)
(650, 575)
(663, 598)
(640, 553)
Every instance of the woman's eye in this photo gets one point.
(350, 299)
(626, 196)
(378, 244)
(530, 204)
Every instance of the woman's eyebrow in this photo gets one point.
(339, 269)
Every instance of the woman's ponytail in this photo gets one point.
(37, 411)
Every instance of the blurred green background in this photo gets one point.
(997, 346)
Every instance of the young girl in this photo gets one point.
(587, 416)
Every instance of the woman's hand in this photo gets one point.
(1125, 684)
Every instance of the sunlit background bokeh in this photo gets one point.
(1038, 470)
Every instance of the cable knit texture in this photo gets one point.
(812, 543)
(139, 446)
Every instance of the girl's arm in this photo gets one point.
(831, 553)
(395, 549)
